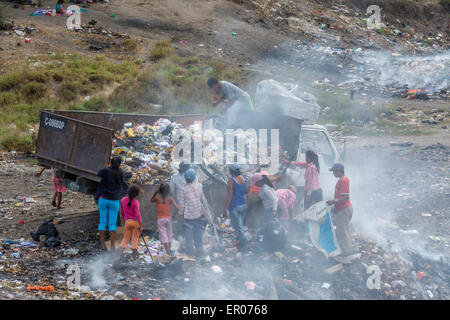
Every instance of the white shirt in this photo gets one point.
(268, 197)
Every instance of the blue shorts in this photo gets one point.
(109, 210)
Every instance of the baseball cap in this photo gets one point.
(189, 175)
(337, 167)
(235, 167)
(255, 178)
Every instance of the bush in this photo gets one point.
(70, 90)
(10, 140)
(96, 104)
(25, 91)
(160, 50)
(130, 45)
(35, 90)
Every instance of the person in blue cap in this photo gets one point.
(236, 203)
(192, 204)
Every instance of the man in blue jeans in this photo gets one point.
(191, 202)
(236, 202)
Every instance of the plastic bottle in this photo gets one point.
(74, 187)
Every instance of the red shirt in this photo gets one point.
(342, 187)
(254, 190)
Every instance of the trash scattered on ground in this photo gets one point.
(326, 285)
(71, 252)
(38, 288)
(251, 286)
(216, 269)
(52, 12)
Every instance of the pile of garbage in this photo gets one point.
(146, 150)
(93, 29)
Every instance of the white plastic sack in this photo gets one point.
(320, 229)
(272, 96)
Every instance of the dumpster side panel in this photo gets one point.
(73, 146)
(116, 121)
(55, 141)
(148, 209)
(91, 148)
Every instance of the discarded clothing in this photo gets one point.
(49, 12)
(47, 229)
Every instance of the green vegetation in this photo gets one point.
(3, 23)
(63, 81)
(51, 82)
(161, 50)
(131, 45)
(382, 30)
(177, 83)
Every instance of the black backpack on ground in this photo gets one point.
(47, 229)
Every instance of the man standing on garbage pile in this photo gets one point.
(342, 208)
(237, 99)
(286, 202)
(236, 203)
(192, 203)
(57, 178)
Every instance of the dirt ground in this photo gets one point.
(400, 223)
(203, 27)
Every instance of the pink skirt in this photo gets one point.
(58, 183)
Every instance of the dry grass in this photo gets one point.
(51, 82)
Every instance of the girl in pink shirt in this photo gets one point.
(129, 210)
(313, 191)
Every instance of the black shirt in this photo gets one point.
(109, 187)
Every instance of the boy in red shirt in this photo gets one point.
(342, 208)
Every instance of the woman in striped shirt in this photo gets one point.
(313, 191)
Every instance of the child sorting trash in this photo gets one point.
(129, 210)
(163, 206)
(57, 178)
